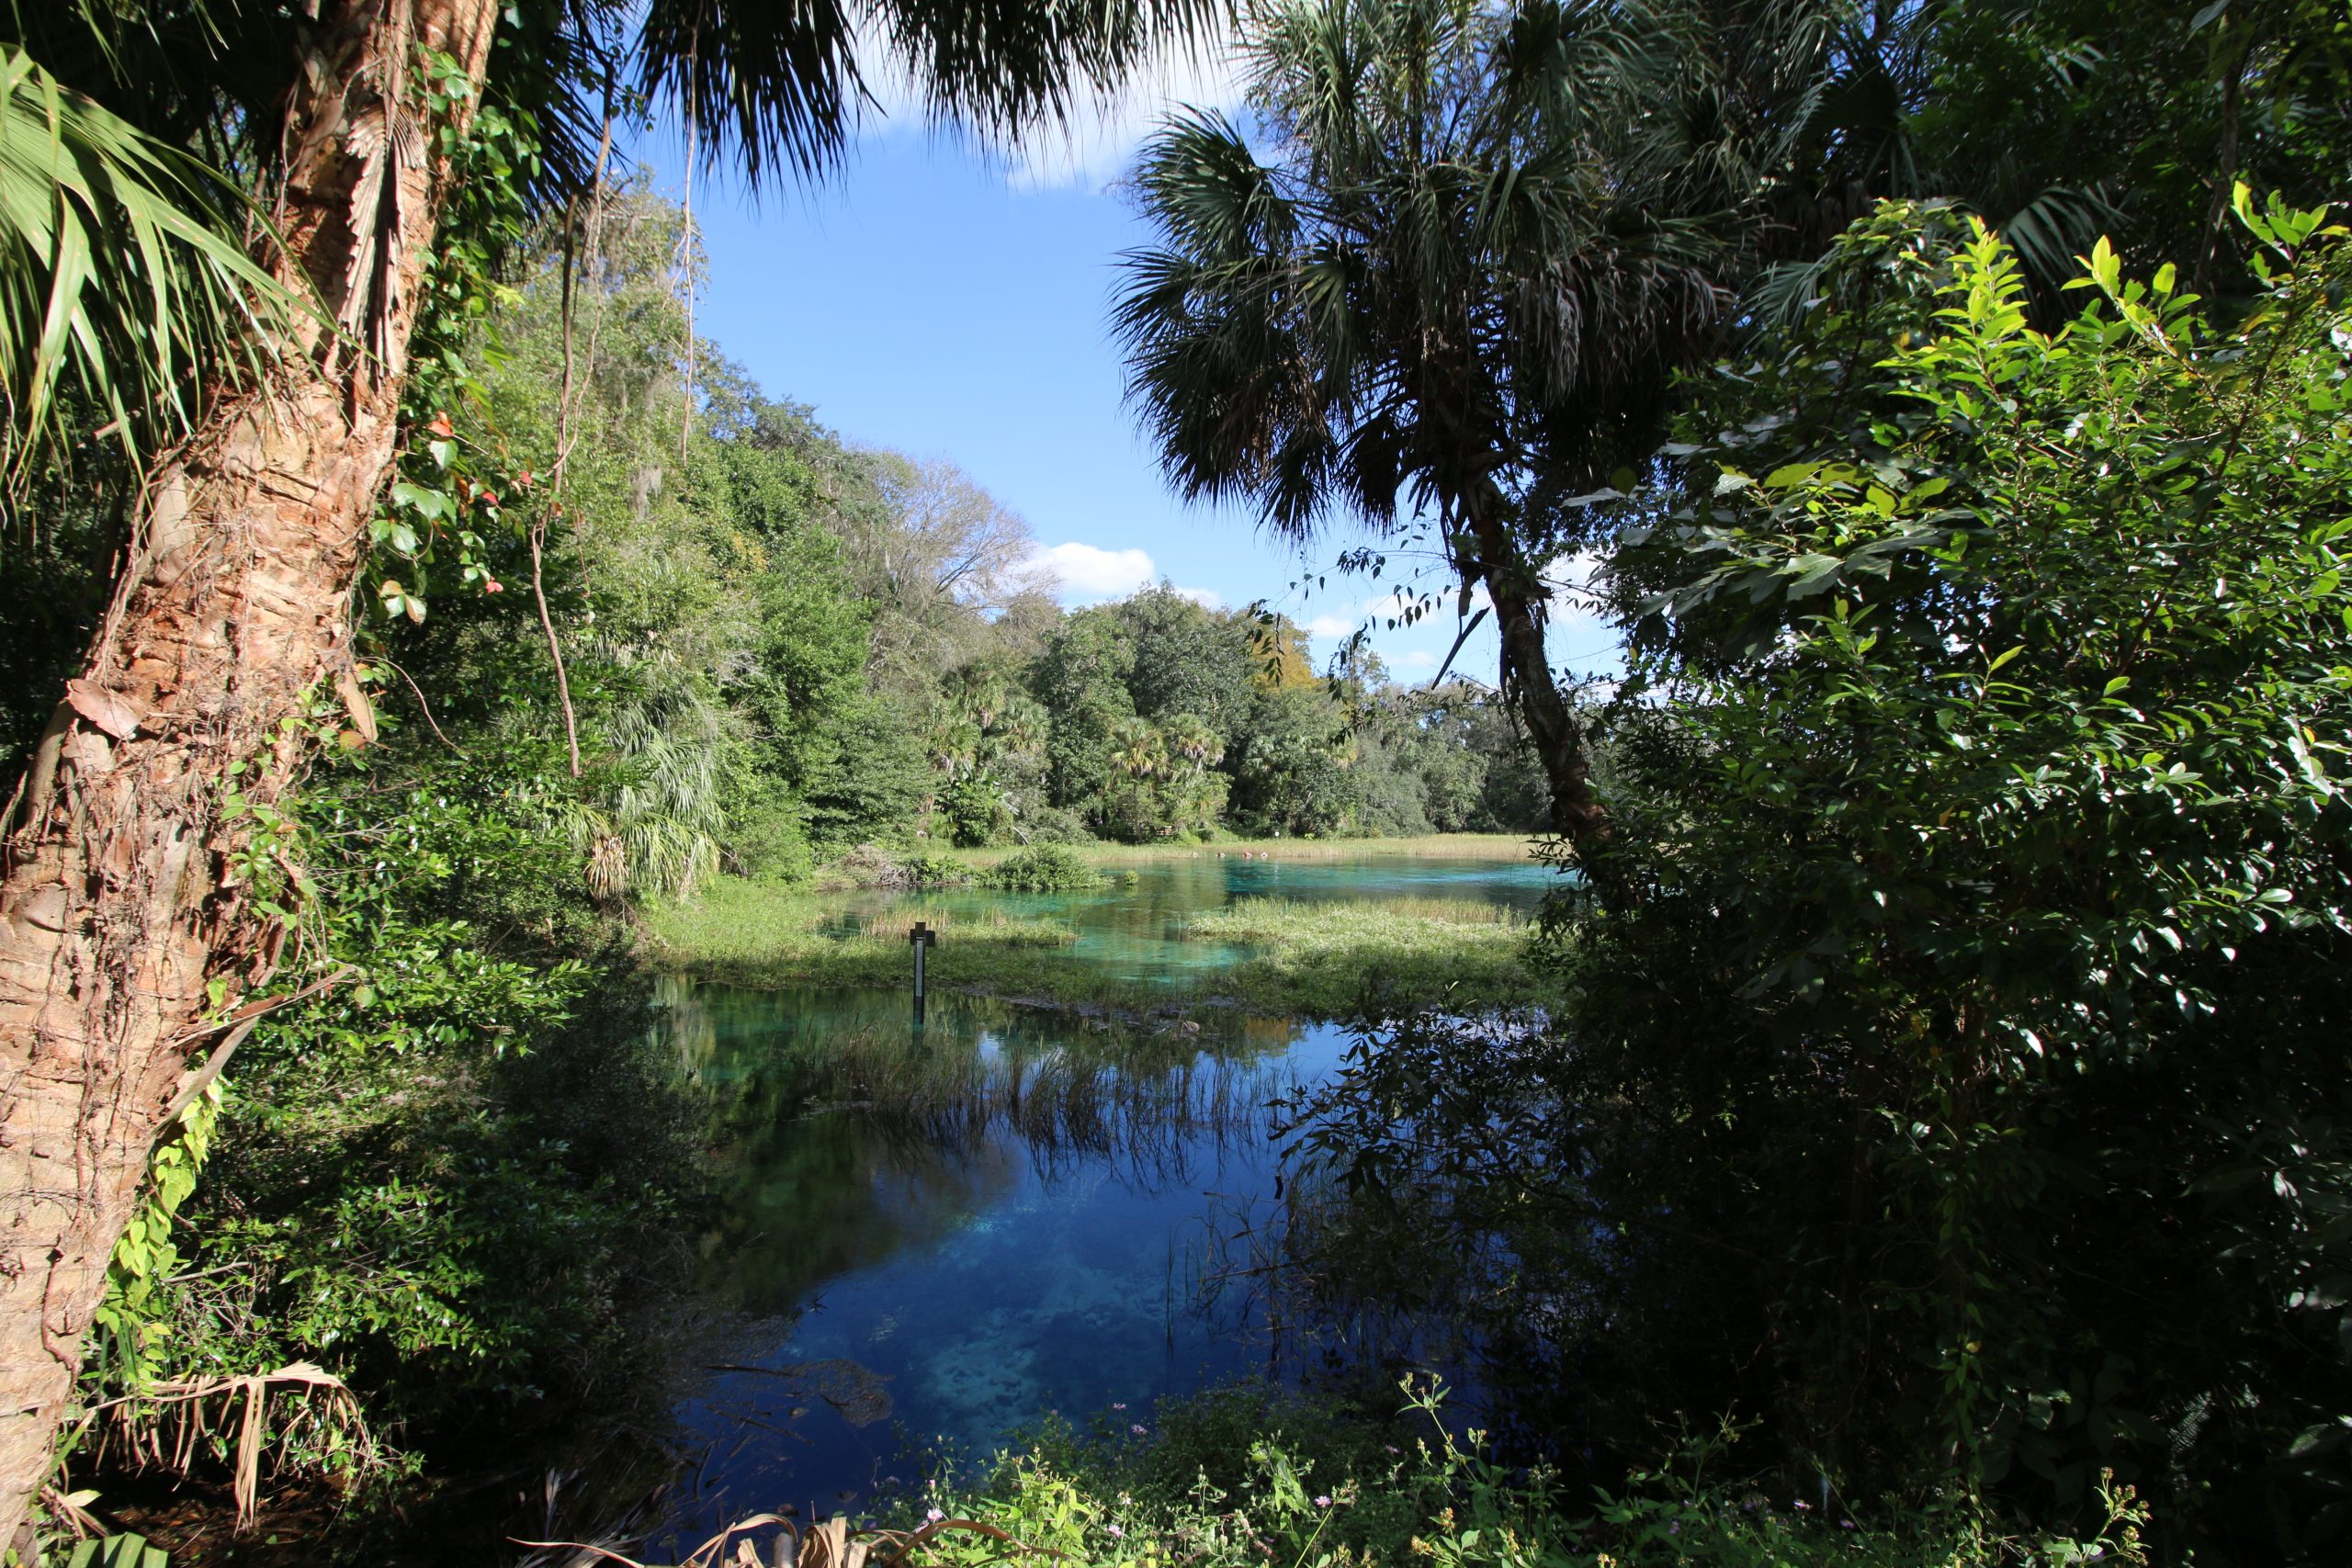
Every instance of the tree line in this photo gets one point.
(777, 647)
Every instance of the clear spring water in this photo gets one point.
(1006, 1212)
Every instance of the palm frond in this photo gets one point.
(778, 86)
(122, 275)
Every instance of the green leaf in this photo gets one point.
(2106, 268)
(431, 504)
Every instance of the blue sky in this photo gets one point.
(948, 304)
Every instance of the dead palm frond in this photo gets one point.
(168, 1425)
(836, 1543)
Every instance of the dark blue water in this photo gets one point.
(928, 1240)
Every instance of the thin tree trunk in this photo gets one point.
(555, 648)
(132, 873)
(687, 249)
(566, 411)
(1528, 683)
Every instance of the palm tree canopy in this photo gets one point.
(1432, 269)
(123, 257)
(779, 86)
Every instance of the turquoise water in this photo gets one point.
(926, 1238)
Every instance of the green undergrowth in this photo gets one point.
(1243, 1478)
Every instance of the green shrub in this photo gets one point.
(1056, 824)
(1240, 1478)
(1045, 868)
(932, 868)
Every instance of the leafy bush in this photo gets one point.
(930, 868)
(1045, 868)
(974, 811)
(1056, 825)
(406, 1154)
(1240, 1478)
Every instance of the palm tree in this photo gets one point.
(1192, 741)
(129, 922)
(1475, 246)
(1138, 749)
(1434, 289)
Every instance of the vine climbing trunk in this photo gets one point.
(128, 918)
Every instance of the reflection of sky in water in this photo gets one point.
(991, 1276)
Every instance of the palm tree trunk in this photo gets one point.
(128, 919)
(1528, 685)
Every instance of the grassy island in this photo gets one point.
(1324, 957)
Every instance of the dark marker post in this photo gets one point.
(922, 937)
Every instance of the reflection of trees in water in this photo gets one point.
(728, 1029)
(1422, 1194)
(803, 1198)
(1151, 1124)
(839, 1136)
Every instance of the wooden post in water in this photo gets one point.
(923, 938)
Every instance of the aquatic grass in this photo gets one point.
(1326, 960)
(1380, 956)
(996, 926)
(754, 934)
(1277, 919)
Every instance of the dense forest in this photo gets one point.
(777, 648)
(1913, 1131)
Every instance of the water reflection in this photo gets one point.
(925, 1238)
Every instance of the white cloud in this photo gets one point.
(1578, 575)
(1087, 571)
(1099, 140)
(1332, 626)
(1206, 598)
(1417, 658)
